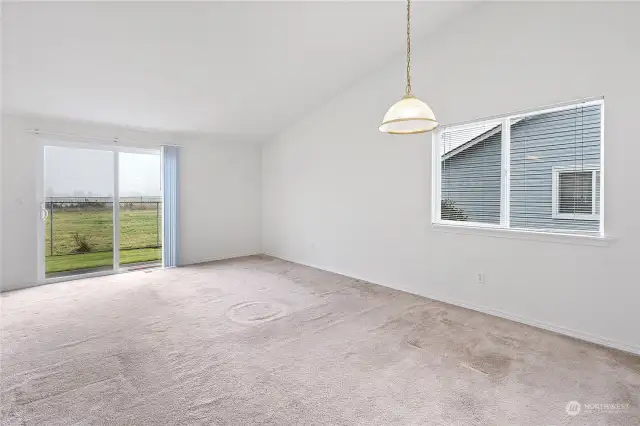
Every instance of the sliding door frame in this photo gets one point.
(44, 142)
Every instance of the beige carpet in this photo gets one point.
(263, 341)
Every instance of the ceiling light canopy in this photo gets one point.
(409, 115)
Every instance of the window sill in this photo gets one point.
(586, 240)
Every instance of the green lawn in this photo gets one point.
(139, 230)
(72, 262)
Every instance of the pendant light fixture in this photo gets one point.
(409, 115)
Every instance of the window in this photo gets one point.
(575, 193)
(538, 171)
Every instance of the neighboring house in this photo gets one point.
(554, 166)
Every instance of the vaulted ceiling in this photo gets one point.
(214, 67)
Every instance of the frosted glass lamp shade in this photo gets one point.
(407, 116)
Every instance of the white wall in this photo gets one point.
(341, 196)
(219, 200)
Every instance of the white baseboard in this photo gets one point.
(217, 259)
(588, 337)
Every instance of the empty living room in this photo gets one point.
(319, 213)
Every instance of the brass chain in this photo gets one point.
(408, 47)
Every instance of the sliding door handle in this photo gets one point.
(44, 213)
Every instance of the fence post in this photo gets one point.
(51, 230)
(157, 224)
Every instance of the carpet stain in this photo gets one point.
(415, 343)
(493, 364)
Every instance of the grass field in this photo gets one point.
(73, 262)
(140, 236)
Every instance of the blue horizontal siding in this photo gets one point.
(569, 138)
(471, 179)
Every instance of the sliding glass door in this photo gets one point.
(140, 211)
(101, 210)
(78, 210)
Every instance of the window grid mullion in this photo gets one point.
(505, 196)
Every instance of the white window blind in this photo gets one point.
(537, 171)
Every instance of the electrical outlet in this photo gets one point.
(480, 278)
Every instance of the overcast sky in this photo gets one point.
(84, 172)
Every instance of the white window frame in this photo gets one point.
(594, 169)
(437, 177)
(505, 200)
